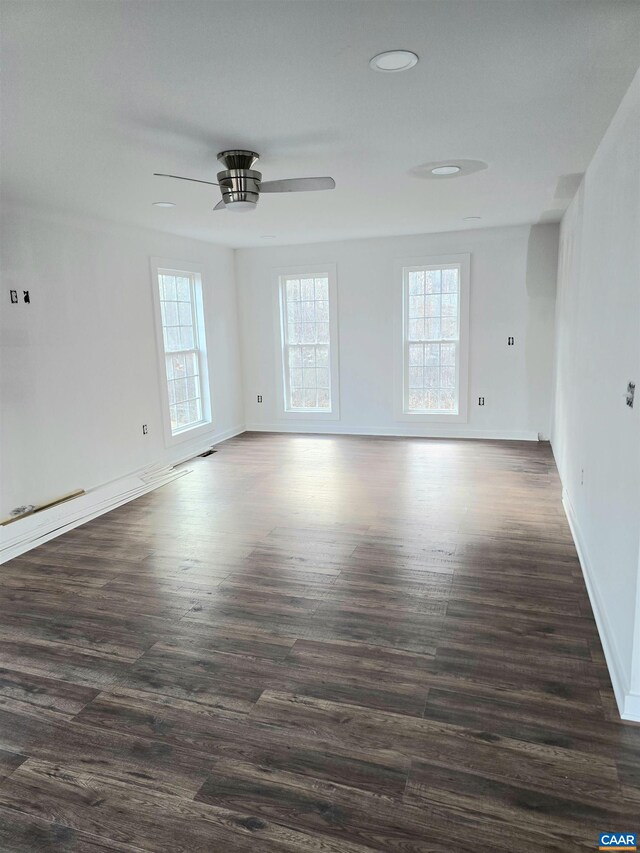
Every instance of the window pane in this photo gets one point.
(431, 400)
(432, 354)
(449, 304)
(447, 400)
(416, 377)
(170, 313)
(447, 376)
(449, 328)
(416, 330)
(307, 288)
(295, 357)
(324, 400)
(309, 378)
(432, 329)
(295, 333)
(169, 291)
(448, 353)
(323, 333)
(180, 389)
(416, 400)
(431, 298)
(184, 313)
(191, 364)
(322, 288)
(432, 306)
(186, 337)
(195, 411)
(322, 377)
(432, 281)
(172, 338)
(416, 283)
(431, 377)
(193, 387)
(450, 281)
(416, 354)
(179, 301)
(305, 309)
(183, 286)
(322, 356)
(416, 306)
(322, 311)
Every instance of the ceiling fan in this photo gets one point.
(241, 185)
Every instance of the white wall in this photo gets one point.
(513, 273)
(598, 352)
(80, 372)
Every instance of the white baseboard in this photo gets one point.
(409, 431)
(183, 453)
(33, 530)
(628, 702)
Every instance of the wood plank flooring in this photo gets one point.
(323, 644)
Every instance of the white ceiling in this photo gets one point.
(99, 94)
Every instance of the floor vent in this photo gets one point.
(207, 453)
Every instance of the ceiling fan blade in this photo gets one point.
(180, 178)
(297, 185)
(220, 206)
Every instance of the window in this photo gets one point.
(183, 344)
(434, 319)
(307, 325)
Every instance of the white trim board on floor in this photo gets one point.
(26, 533)
(627, 701)
(428, 431)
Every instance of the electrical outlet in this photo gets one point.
(510, 341)
(259, 398)
(631, 391)
(582, 476)
(14, 297)
(26, 297)
(145, 429)
(481, 401)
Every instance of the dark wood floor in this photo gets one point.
(317, 644)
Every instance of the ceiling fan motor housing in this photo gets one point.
(239, 183)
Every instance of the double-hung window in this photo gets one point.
(435, 338)
(307, 306)
(178, 296)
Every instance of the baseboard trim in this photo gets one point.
(427, 431)
(27, 533)
(182, 455)
(628, 702)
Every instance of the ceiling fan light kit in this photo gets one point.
(241, 185)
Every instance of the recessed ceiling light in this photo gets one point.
(445, 170)
(394, 60)
(163, 204)
(267, 236)
(469, 218)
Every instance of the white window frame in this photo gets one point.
(173, 266)
(402, 268)
(279, 275)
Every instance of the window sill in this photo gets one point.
(306, 414)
